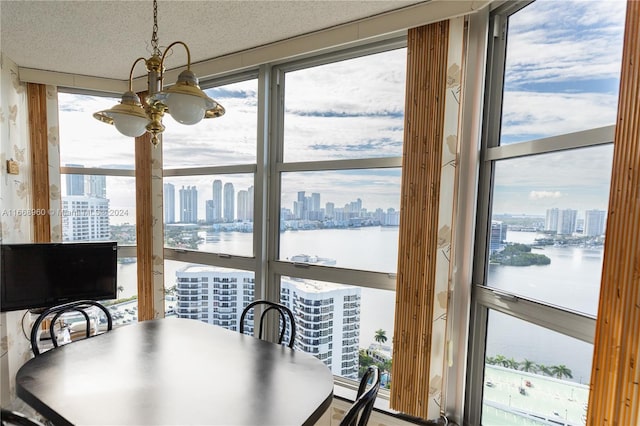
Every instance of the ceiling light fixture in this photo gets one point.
(185, 101)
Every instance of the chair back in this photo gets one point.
(359, 412)
(57, 311)
(13, 418)
(285, 317)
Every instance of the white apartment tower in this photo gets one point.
(217, 200)
(85, 218)
(327, 315)
(594, 221)
(213, 295)
(327, 322)
(228, 202)
(169, 201)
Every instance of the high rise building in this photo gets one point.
(213, 295)
(551, 221)
(217, 200)
(594, 221)
(315, 202)
(498, 235)
(329, 210)
(96, 186)
(75, 183)
(169, 202)
(189, 204)
(243, 205)
(228, 202)
(327, 315)
(299, 207)
(327, 320)
(209, 211)
(250, 208)
(567, 221)
(85, 218)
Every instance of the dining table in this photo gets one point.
(176, 371)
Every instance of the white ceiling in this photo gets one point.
(102, 38)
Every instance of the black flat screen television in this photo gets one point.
(40, 275)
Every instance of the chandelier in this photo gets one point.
(185, 101)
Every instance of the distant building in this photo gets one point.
(229, 207)
(189, 204)
(169, 202)
(243, 206)
(217, 200)
(551, 221)
(209, 211)
(96, 186)
(85, 218)
(498, 236)
(567, 221)
(594, 222)
(563, 222)
(75, 183)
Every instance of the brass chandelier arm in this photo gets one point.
(167, 51)
(131, 72)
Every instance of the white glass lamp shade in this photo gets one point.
(186, 102)
(128, 116)
(130, 125)
(185, 109)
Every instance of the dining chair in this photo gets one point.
(80, 306)
(14, 418)
(359, 412)
(285, 317)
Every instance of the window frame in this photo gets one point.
(484, 298)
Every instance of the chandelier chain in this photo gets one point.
(154, 37)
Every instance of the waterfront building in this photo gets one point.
(96, 186)
(594, 221)
(328, 322)
(567, 221)
(551, 220)
(329, 210)
(217, 200)
(498, 235)
(327, 315)
(213, 295)
(169, 203)
(243, 205)
(189, 204)
(228, 202)
(85, 218)
(209, 211)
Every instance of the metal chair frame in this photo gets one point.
(58, 310)
(360, 411)
(13, 418)
(283, 312)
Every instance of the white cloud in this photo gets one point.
(537, 195)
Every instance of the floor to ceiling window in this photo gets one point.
(294, 195)
(97, 189)
(552, 90)
(338, 174)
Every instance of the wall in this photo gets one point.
(15, 227)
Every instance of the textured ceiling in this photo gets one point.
(103, 38)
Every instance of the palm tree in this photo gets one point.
(380, 337)
(547, 371)
(490, 360)
(528, 366)
(120, 289)
(512, 363)
(561, 371)
(500, 360)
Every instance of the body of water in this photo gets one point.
(572, 280)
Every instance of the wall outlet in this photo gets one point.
(12, 167)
